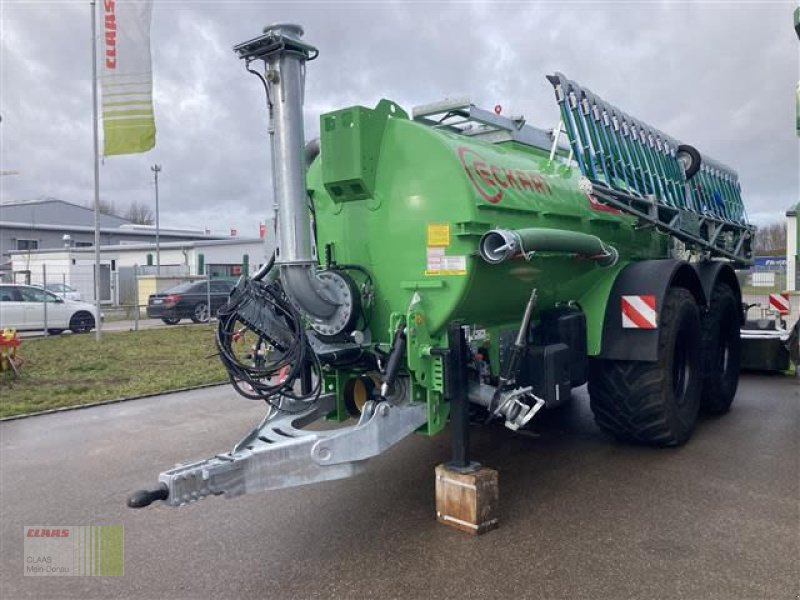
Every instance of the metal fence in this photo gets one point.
(124, 293)
(127, 288)
(758, 284)
(137, 284)
(77, 281)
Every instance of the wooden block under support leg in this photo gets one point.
(467, 501)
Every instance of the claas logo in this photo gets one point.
(47, 532)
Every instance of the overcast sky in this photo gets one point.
(718, 75)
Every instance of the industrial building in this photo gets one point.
(55, 224)
(125, 267)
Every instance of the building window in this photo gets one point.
(83, 244)
(224, 271)
(27, 244)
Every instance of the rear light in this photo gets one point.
(172, 299)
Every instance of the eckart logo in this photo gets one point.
(492, 181)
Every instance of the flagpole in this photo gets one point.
(98, 321)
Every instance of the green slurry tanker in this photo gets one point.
(453, 263)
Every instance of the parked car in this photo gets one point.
(22, 307)
(64, 291)
(189, 301)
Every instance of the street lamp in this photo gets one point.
(156, 169)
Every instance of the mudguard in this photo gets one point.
(711, 271)
(644, 281)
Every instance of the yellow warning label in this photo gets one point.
(439, 235)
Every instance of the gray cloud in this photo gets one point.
(719, 76)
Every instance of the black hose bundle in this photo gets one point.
(281, 354)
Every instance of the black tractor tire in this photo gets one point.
(171, 320)
(694, 160)
(722, 351)
(654, 403)
(81, 322)
(794, 346)
(200, 309)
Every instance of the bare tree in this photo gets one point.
(140, 214)
(106, 207)
(770, 240)
(137, 212)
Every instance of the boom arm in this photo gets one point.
(642, 171)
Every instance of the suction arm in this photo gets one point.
(327, 301)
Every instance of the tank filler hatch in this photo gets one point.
(640, 170)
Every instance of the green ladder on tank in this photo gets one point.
(642, 171)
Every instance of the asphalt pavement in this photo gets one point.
(581, 516)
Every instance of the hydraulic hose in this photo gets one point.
(266, 268)
(395, 360)
(312, 151)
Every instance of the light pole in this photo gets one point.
(156, 169)
(98, 325)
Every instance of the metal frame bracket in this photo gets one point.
(280, 453)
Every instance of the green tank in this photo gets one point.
(411, 203)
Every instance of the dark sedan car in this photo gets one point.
(189, 301)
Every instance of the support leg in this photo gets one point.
(466, 493)
(456, 391)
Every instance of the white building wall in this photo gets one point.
(169, 257)
(229, 254)
(82, 278)
(76, 268)
(791, 253)
(57, 267)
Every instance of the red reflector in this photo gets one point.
(639, 312)
(780, 303)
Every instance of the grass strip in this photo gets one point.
(70, 370)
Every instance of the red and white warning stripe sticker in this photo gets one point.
(780, 302)
(639, 312)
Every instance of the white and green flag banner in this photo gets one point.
(127, 80)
